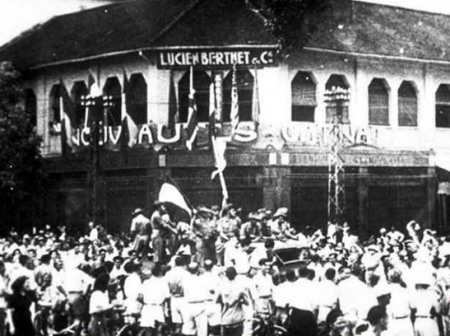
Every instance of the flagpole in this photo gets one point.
(191, 80)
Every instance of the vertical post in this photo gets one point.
(336, 97)
(363, 197)
(97, 116)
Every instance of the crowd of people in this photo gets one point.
(220, 275)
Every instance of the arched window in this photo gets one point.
(201, 86)
(244, 82)
(336, 81)
(31, 106)
(378, 102)
(136, 99)
(304, 102)
(79, 93)
(112, 100)
(407, 105)
(443, 106)
(55, 103)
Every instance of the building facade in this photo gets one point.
(142, 57)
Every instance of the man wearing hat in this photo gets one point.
(227, 226)
(159, 225)
(280, 226)
(251, 230)
(141, 229)
(205, 231)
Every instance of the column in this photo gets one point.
(431, 196)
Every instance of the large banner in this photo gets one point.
(156, 135)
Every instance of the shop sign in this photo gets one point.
(217, 58)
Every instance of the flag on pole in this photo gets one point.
(66, 108)
(212, 113)
(234, 114)
(173, 108)
(192, 126)
(129, 127)
(219, 146)
(177, 204)
(256, 107)
(94, 92)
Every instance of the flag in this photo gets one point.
(129, 127)
(256, 107)
(212, 113)
(173, 109)
(219, 147)
(94, 92)
(192, 127)
(94, 89)
(234, 114)
(176, 202)
(66, 110)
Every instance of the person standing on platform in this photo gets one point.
(251, 231)
(158, 225)
(141, 230)
(205, 231)
(227, 226)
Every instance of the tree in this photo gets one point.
(295, 22)
(20, 163)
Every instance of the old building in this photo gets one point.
(394, 63)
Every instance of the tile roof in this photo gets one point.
(141, 24)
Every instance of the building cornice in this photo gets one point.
(390, 57)
(141, 50)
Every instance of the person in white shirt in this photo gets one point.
(425, 300)
(76, 284)
(399, 308)
(327, 295)
(155, 296)
(303, 305)
(99, 305)
(232, 296)
(355, 297)
(212, 282)
(263, 287)
(175, 279)
(132, 290)
(195, 318)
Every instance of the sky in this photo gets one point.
(17, 16)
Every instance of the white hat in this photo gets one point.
(281, 212)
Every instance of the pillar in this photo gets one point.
(363, 199)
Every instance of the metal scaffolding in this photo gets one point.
(337, 98)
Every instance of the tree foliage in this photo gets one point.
(20, 163)
(295, 22)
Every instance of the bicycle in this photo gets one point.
(265, 326)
